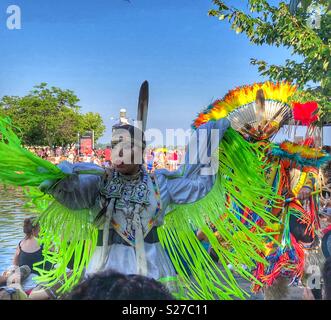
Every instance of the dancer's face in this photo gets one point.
(127, 169)
(127, 154)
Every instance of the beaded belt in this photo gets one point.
(114, 238)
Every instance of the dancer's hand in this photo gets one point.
(46, 185)
(304, 194)
(67, 183)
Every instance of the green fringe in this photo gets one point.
(36, 199)
(18, 166)
(241, 178)
(65, 235)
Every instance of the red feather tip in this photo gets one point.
(305, 112)
(309, 142)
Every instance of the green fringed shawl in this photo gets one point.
(240, 180)
(19, 166)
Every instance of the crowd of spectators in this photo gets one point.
(155, 158)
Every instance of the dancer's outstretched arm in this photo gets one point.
(195, 178)
(77, 191)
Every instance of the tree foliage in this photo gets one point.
(288, 26)
(49, 116)
(93, 121)
(305, 4)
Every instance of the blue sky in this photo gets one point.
(104, 49)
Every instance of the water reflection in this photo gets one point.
(12, 215)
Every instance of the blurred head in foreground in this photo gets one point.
(111, 285)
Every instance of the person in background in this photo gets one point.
(28, 249)
(170, 160)
(47, 153)
(99, 153)
(71, 157)
(327, 279)
(39, 152)
(14, 274)
(161, 160)
(76, 159)
(175, 159)
(150, 161)
(29, 252)
(107, 154)
(326, 176)
(14, 287)
(96, 161)
(10, 283)
(325, 218)
(57, 158)
(111, 285)
(87, 157)
(58, 151)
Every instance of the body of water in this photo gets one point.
(12, 215)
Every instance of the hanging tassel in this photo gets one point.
(139, 242)
(105, 246)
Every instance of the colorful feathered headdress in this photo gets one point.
(256, 110)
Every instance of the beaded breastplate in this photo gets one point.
(130, 192)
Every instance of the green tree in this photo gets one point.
(278, 25)
(46, 116)
(93, 121)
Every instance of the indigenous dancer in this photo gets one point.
(258, 112)
(103, 219)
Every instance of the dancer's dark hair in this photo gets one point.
(111, 285)
(29, 226)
